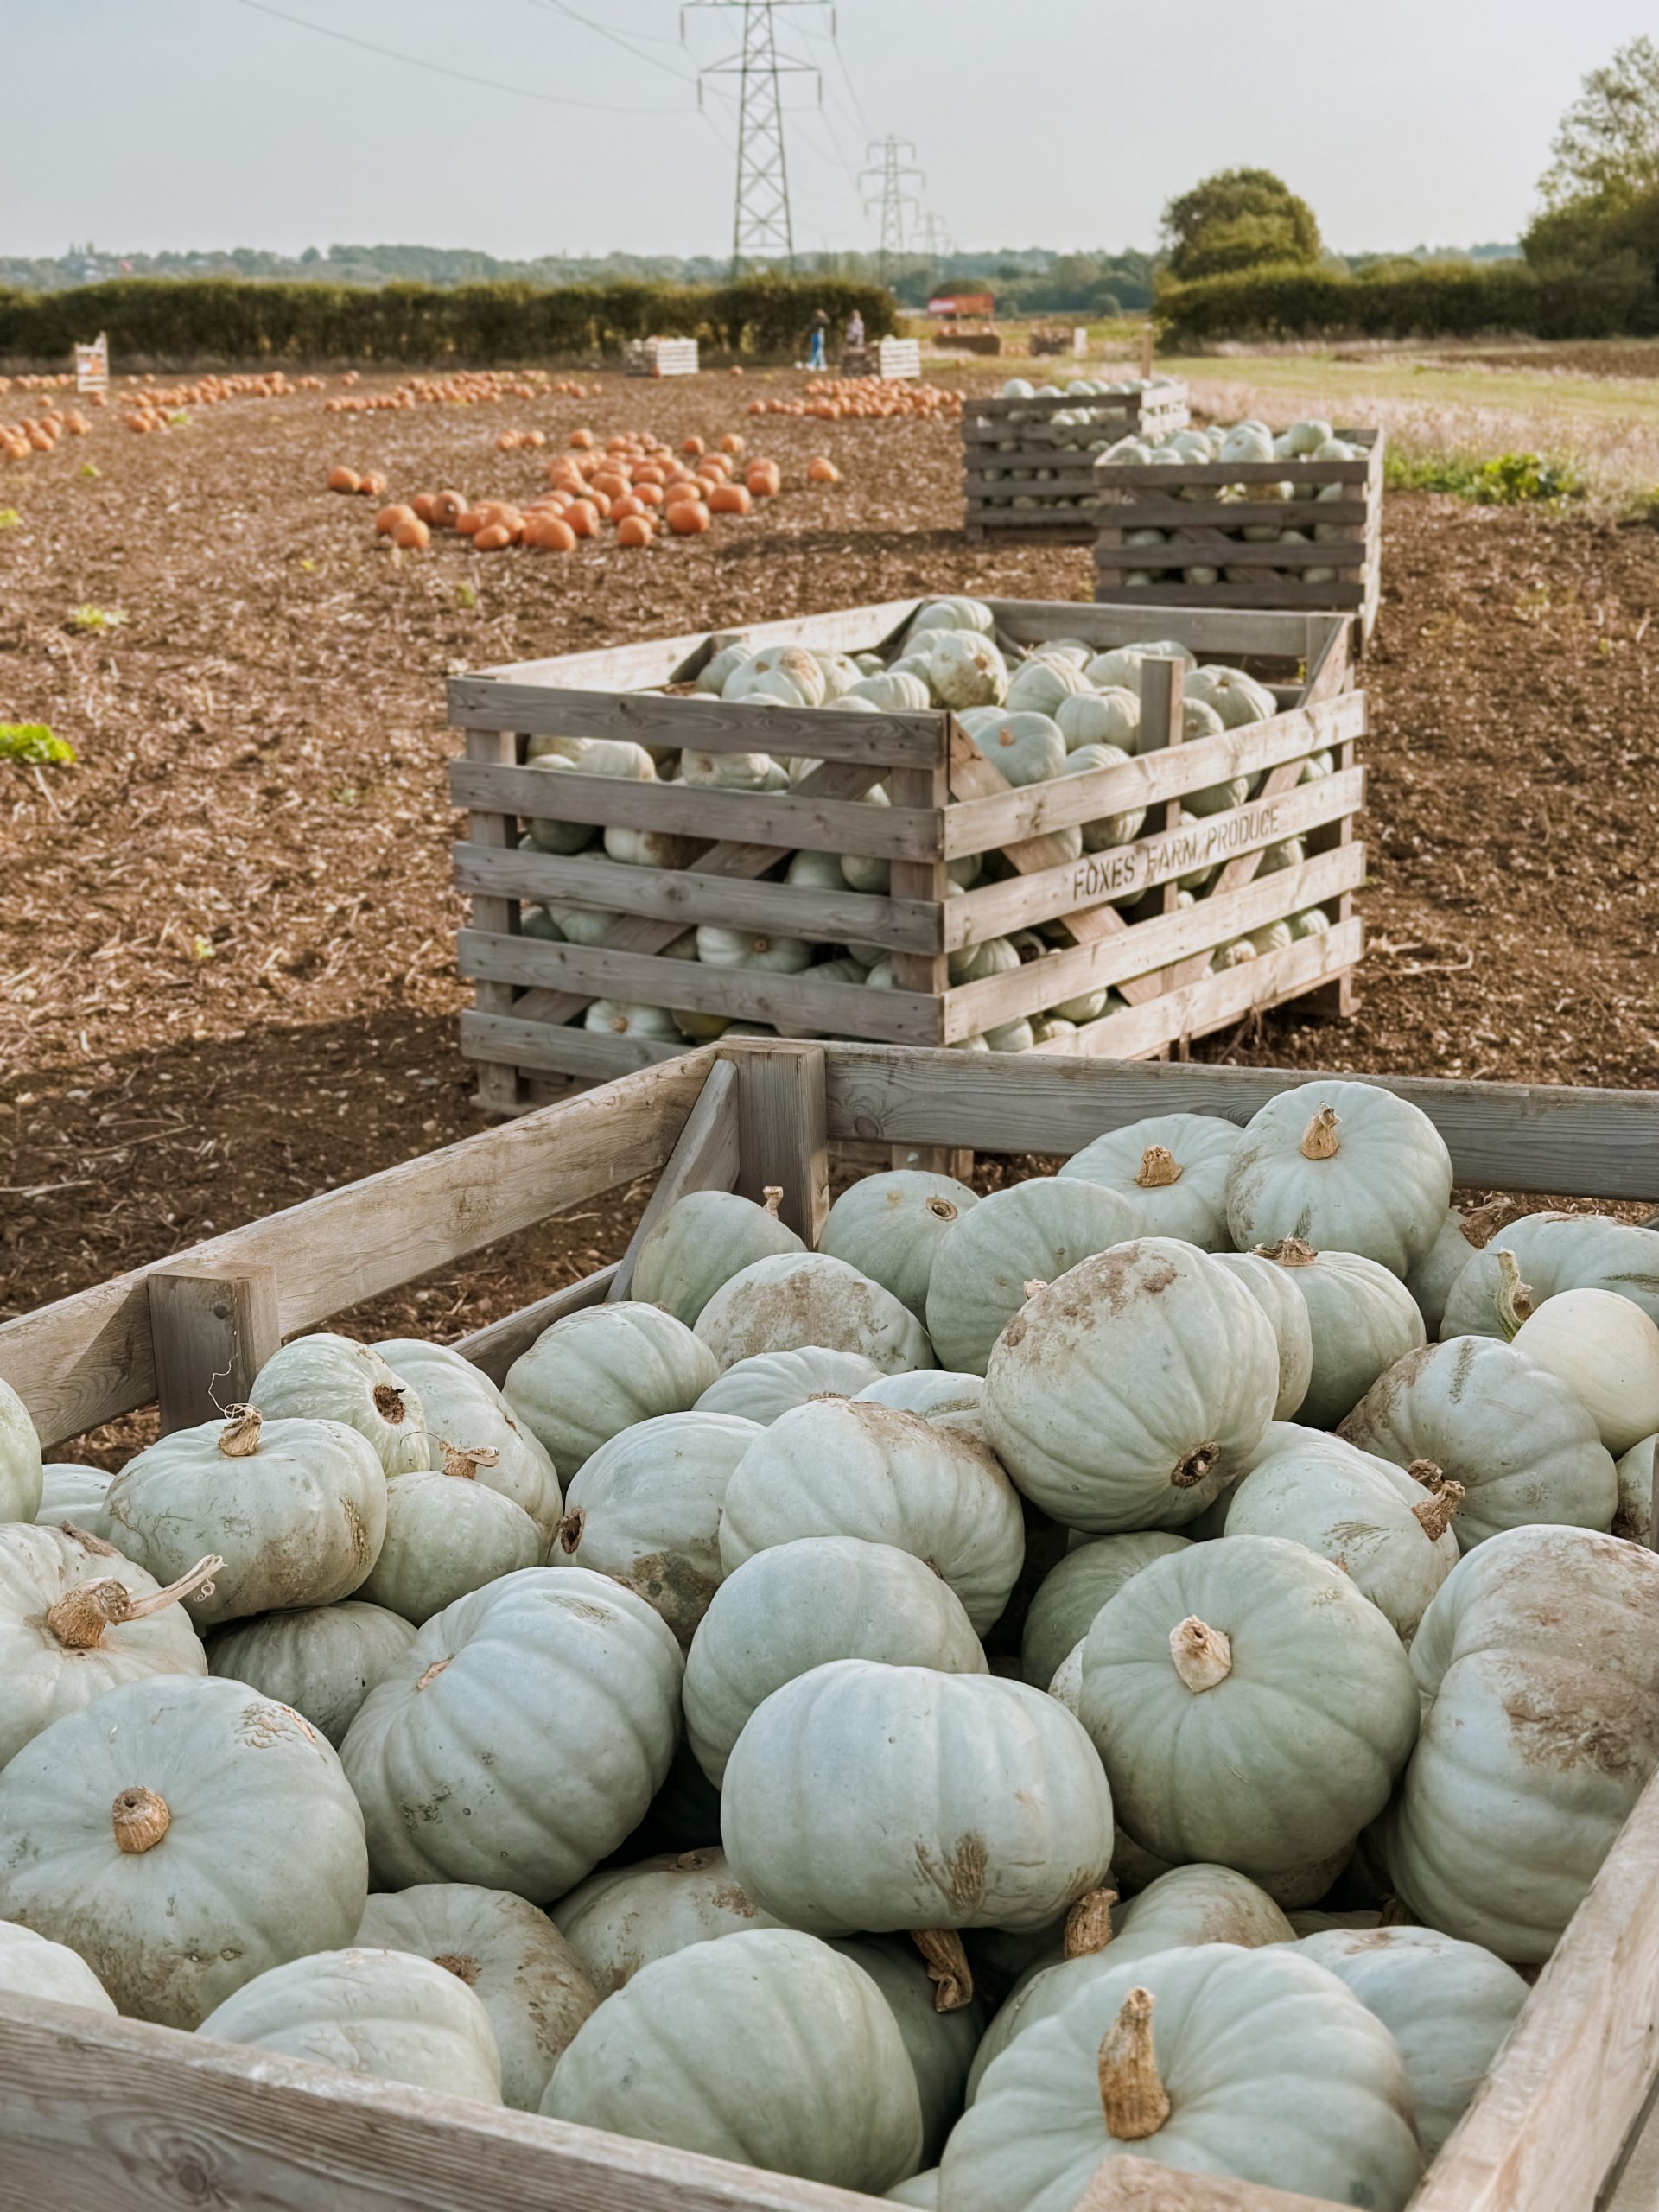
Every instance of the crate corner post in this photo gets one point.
(210, 1332)
(500, 1091)
(782, 1139)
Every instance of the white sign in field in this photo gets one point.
(92, 365)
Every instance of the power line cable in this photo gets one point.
(460, 76)
(561, 8)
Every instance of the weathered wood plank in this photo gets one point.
(86, 1358)
(1264, 595)
(699, 722)
(1143, 2185)
(495, 1347)
(1145, 512)
(1232, 553)
(781, 1138)
(559, 1047)
(1214, 632)
(705, 1158)
(666, 660)
(210, 1333)
(498, 1087)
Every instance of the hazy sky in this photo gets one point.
(1068, 123)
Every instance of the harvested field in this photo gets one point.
(225, 979)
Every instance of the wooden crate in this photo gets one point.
(98, 2111)
(1000, 435)
(1132, 496)
(660, 357)
(532, 995)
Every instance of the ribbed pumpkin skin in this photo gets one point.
(1188, 1905)
(848, 1468)
(45, 1678)
(464, 1408)
(621, 1920)
(703, 1241)
(1071, 1593)
(1287, 1317)
(511, 1956)
(1383, 1193)
(1033, 1231)
(521, 1739)
(1194, 1206)
(796, 1606)
(766, 2048)
(299, 1523)
(19, 1459)
(1517, 1440)
(938, 1394)
(941, 2045)
(1361, 1319)
(890, 1228)
(1633, 1518)
(784, 1304)
(31, 1966)
(76, 1494)
(263, 1860)
(1117, 1397)
(1447, 2005)
(1274, 2072)
(328, 1377)
(598, 1372)
(1540, 1673)
(1280, 1763)
(1556, 1251)
(1430, 1281)
(775, 1383)
(446, 1535)
(387, 2014)
(985, 1808)
(323, 1661)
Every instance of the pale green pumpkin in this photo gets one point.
(1361, 1319)
(890, 1228)
(843, 1467)
(1539, 1644)
(988, 1808)
(181, 1835)
(77, 1619)
(812, 2076)
(1635, 1471)
(1255, 2063)
(596, 1373)
(326, 1377)
(323, 1660)
(296, 1509)
(473, 1759)
(1485, 1416)
(922, 2189)
(1118, 1395)
(19, 1459)
(798, 1605)
(1343, 1166)
(32, 1967)
(1287, 1316)
(625, 1917)
(1070, 1594)
(940, 2045)
(1031, 1231)
(1170, 1168)
(386, 2014)
(1251, 1707)
(1459, 1236)
(521, 1970)
(1447, 2005)
(447, 1534)
(774, 1383)
(1554, 1252)
(792, 1301)
(76, 1494)
(938, 1393)
(466, 1413)
(645, 1509)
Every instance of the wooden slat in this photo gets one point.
(1265, 595)
(701, 722)
(665, 660)
(687, 897)
(1550, 2119)
(705, 1158)
(781, 1139)
(1143, 2185)
(559, 1047)
(1213, 633)
(1145, 513)
(1598, 1144)
(85, 1359)
(1232, 553)
(494, 1348)
(210, 1334)
(790, 823)
(498, 1089)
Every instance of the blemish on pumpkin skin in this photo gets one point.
(1547, 1734)
(464, 1969)
(960, 1877)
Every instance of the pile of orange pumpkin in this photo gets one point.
(372, 486)
(466, 388)
(869, 399)
(39, 434)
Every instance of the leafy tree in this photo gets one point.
(1238, 219)
(1607, 147)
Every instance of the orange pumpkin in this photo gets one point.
(688, 518)
(729, 500)
(340, 480)
(581, 516)
(389, 518)
(554, 535)
(448, 508)
(822, 471)
(634, 530)
(493, 537)
(581, 440)
(692, 445)
(412, 536)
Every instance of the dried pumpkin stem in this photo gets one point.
(79, 1619)
(1513, 1297)
(1479, 1226)
(947, 1967)
(1203, 1655)
(1089, 1923)
(1319, 1140)
(1433, 1515)
(1428, 1472)
(941, 1209)
(1195, 1466)
(140, 1819)
(1135, 2101)
(773, 1196)
(570, 1529)
(464, 1460)
(239, 1438)
(1288, 1252)
(1159, 1168)
(389, 1403)
(1032, 1287)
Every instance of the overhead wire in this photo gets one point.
(562, 8)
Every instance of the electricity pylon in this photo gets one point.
(893, 172)
(761, 222)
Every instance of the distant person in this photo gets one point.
(816, 357)
(854, 332)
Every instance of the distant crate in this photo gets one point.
(1028, 464)
(890, 359)
(1204, 515)
(660, 357)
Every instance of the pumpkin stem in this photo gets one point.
(1478, 1227)
(1319, 1137)
(941, 1209)
(773, 1195)
(1288, 1252)
(466, 1459)
(1427, 1472)
(1433, 1515)
(1513, 1297)
(79, 1619)
(570, 1529)
(1203, 1654)
(239, 1438)
(1089, 1923)
(1159, 1168)
(1135, 2101)
(140, 1820)
(1032, 1287)
(389, 1402)
(1196, 1465)
(947, 1967)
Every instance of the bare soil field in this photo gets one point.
(226, 959)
